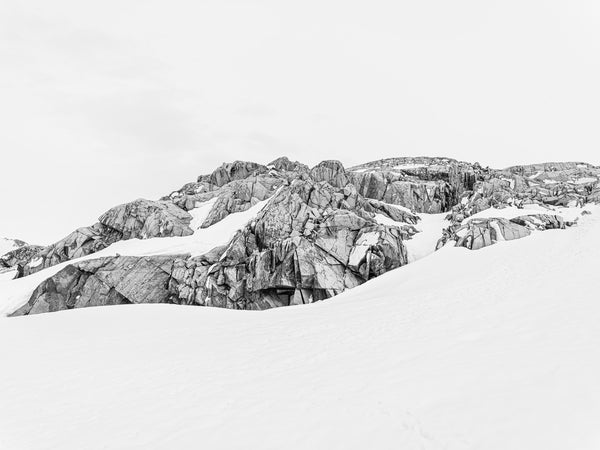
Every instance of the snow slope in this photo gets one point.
(495, 349)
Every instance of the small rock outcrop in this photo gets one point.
(332, 172)
(229, 172)
(479, 233)
(18, 258)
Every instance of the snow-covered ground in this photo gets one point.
(489, 349)
(430, 231)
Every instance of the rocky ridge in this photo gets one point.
(319, 233)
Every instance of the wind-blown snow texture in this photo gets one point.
(495, 349)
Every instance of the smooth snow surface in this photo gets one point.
(495, 349)
(430, 231)
(7, 276)
(16, 293)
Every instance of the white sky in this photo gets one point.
(105, 102)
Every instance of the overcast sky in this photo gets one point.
(105, 102)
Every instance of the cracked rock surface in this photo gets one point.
(322, 231)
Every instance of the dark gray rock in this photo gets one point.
(300, 249)
(103, 281)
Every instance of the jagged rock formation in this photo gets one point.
(479, 233)
(550, 184)
(312, 242)
(103, 281)
(139, 219)
(319, 234)
(428, 185)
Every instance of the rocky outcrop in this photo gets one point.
(140, 219)
(305, 247)
(144, 219)
(542, 222)
(479, 233)
(20, 257)
(234, 197)
(311, 242)
(428, 185)
(103, 281)
(237, 170)
(320, 233)
(283, 164)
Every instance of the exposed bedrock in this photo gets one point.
(479, 233)
(311, 242)
(139, 219)
(103, 281)
(320, 232)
